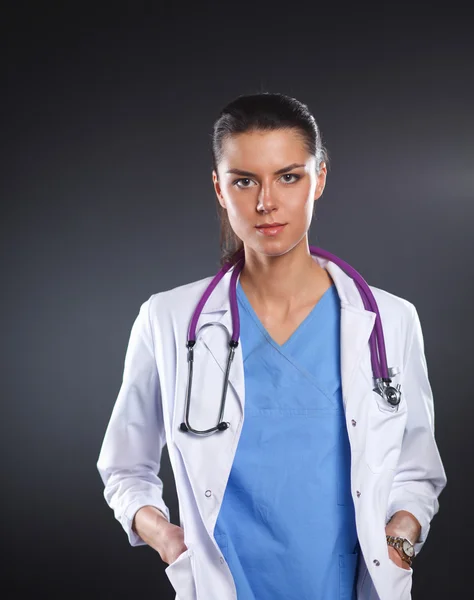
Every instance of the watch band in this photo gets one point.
(398, 543)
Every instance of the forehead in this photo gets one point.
(269, 148)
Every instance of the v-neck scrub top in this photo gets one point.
(286, 525)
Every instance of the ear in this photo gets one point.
(217, 189)
(321, 181)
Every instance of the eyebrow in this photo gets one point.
(279, 172)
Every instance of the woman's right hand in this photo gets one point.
(172, 543)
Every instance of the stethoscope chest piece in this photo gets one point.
(388, 392)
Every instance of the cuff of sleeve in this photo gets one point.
(127, 519)
(414, 509)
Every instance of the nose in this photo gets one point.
(266, 202)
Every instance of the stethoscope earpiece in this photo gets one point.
(221, 426)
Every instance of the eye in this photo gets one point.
(292, 175)
(241, 179)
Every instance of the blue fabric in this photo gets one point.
(287, 525)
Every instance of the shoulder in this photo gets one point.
(392, 304)
(180, 297)
(395, 311)
(399, 318)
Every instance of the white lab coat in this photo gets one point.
(395, 460)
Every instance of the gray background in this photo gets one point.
(107, 198)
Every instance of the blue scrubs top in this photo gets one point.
(286, 525)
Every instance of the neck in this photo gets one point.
(286, 281)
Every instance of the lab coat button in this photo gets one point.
(208, 493)
(354, 423)
(376, 562)
(358, 493)
(222, 560)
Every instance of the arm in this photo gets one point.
(150, 524)
(420, 475)
(130, 456)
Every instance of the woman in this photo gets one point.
(317, 488)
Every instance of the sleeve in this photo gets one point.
(420, 476)
(129, 459)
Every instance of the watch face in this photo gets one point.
(408, 548)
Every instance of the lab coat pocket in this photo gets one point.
(181, 576)
(402, 581)
(402, 569)
(347, 574)
(385, 429)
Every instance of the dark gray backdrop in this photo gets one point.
(108, 198)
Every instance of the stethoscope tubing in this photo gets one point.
(381, 372)
(377, 342)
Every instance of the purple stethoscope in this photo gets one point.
(381, 372)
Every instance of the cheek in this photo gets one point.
(233, 212)
(239, 209)
(236, 218)
(300, 207)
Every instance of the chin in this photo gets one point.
(272, 248)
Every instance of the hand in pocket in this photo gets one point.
(172, 544)
(397, 559)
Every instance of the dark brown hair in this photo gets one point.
(264, 111)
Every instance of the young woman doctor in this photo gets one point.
(286, 518)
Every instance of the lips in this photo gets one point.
(265, 225)
(270, 229)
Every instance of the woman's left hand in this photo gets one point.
(396, 558)
(402, 524)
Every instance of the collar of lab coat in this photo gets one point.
(356, 327)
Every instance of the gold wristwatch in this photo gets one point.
(404, 547)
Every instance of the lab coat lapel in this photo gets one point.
(357, 324)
